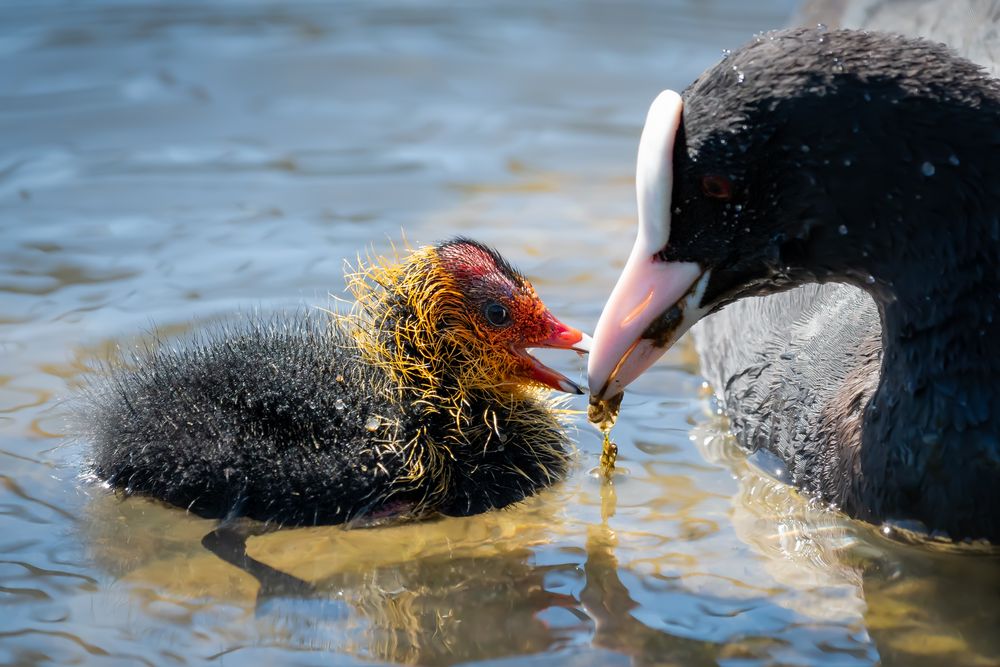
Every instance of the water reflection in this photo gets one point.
(919, 604)
(442, 599)
(608, 602)
(438, 593)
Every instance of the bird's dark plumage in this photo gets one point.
(872, 161)
(875, 163)
(290, 419)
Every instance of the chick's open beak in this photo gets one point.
(563, 337)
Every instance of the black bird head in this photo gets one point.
(806, 156)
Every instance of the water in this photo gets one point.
(160, 164)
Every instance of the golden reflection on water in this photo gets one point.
(412, 593)
(921, 606)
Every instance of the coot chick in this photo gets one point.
(860, 158)
(422, 400)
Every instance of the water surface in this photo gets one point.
(166, 164)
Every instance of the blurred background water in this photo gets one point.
(165, 164)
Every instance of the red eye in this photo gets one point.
(716, 187)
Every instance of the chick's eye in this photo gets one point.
(497, 314)
(716, 186)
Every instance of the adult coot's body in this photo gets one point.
(422, 400)
(813, 156)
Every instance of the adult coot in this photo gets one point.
(422, 400)
(866, 160)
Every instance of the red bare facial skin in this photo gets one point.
(484, 278)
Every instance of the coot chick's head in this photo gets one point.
(805, 156)
(455, 318)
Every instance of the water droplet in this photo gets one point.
(804, 148)
(953, 160)
(842, 230)
(371, 424)
(868, 96)
(740, 77)
(927, 169)
(738, 207)
(726, 53)
(870, 279)
(339, 404)
(847, 162)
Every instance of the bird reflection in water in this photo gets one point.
(434, 610)
(416, 594)
(919, 603)
(609, 604)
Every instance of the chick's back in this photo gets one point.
(275, 418)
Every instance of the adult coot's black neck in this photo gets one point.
(880, 168)
(930, 258)
(841, 156)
